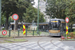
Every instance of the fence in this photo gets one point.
(18, 33)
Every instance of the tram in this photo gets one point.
(56, 27)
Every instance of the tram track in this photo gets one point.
(15, 45)
(54, 44)
(50, 44)
(5, 48)
(40, 45)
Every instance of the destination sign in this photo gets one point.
(54, 21)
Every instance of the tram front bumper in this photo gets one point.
(55, 34)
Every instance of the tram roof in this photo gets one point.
(58, 19)
(19, 23)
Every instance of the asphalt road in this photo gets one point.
(35, 39)
(40, 43)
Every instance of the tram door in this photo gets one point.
(62, 28)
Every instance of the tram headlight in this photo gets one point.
(58, 30)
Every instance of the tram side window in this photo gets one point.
(49, 26)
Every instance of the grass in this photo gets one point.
(3, 36)
(69, 39)
(74, 32)
(15, 40)
(8, 41)
(31, 33)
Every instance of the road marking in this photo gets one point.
(44, 44)
(63, 46)
(56, 42)
(60, 45)
(34, 46)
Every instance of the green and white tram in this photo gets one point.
(56, 27)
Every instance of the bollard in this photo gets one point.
(33, 32)
(39, 33)
(9, 32)
(18, 33)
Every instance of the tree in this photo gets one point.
(70, 11)
(61, 9)
(31, 14)
(20, 7)
(14, 6)
(56, 8)
(3, 19)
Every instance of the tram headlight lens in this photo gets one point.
(59, 30)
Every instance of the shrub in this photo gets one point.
(21, 28)
(72, 34)
(3, 28)
(28, 28)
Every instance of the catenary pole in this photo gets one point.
(0, 14)
(38, 18)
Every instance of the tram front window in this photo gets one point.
(54, 25)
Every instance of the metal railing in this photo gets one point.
(18, 33)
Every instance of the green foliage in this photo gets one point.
(3, 18)
(28, 28)
(9, 7)
(10, 19)
(31, 14)
(56, 8)
(3, 28)
(70, 11)
(21, 28)
(61, 9)
(44, 0)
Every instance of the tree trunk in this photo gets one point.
(16, 25)
(6, 25)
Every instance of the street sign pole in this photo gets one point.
(15, 17)
(66, 34)
(14, 29)
(0, 14)
(67, 20)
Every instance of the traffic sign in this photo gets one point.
(66, 30)
(24, 29)
(4, 32)
(67, 19)
(15, 17)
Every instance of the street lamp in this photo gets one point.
(0, 14)
(38, 19)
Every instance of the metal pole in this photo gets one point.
(0, 14)
(66, 23)
(66, 34)
(14, 29)
(38, 18)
